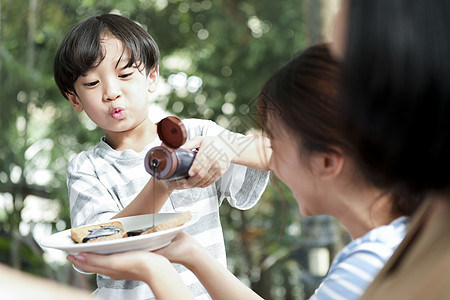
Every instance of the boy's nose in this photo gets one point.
(112, 92)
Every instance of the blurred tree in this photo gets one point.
(215, 57)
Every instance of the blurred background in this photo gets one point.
(215, 56)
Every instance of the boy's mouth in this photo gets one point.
(118, 113)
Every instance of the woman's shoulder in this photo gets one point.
(380, 242)
(390, 234)
(357, 264)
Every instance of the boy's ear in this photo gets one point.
(328, 165)
(153, 79)
(76, 104)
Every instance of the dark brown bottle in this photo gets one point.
(169, 162)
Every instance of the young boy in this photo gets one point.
(107, 66)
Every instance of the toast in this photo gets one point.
(171, 223)
(168, 224)
(95, 233)
(114, 230)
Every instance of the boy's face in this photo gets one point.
(114, 97)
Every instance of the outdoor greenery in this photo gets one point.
(215, 56)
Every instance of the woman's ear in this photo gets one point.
(328, 165)
(153, 79)
(76, 104)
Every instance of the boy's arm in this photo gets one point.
(249, 151)
(91, 201)
(253, 151)
(149, 201)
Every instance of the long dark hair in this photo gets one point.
(303, 97)
(397, 91)
(81, 48)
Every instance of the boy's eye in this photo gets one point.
(93, 83)
(126, 75)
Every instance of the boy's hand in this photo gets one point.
(211, 162)
(216, 153)
(213, 159)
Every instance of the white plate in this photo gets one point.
(147, 242)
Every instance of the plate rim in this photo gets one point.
(85, 247)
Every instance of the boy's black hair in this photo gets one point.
(81, 48)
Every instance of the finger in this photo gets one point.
(188, 183)
(213, 169)
(208, 177)
(178, 184)
(93, 263)
(203, 174)
(201, 165)
(192, 143)
(193, 181)
(79, 261)
(94, 260)
(211, 180)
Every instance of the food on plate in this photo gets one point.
(171, 223)
(95, 233)
(114, 229)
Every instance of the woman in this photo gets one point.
(397, 74)
(298, 106)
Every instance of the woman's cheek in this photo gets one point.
(274, 166)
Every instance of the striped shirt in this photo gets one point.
(355, 267)
(102, 181)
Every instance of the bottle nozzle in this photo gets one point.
(155, 163)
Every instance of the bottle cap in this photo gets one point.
(160, 162)
(172, 132)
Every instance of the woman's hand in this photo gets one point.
(153, 269)
(216, 278)
(127, 265)
(183, 249)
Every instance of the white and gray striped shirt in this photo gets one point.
(102, 181)
(355, 266)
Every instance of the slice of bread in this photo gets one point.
(171, 223)
(79, 234)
